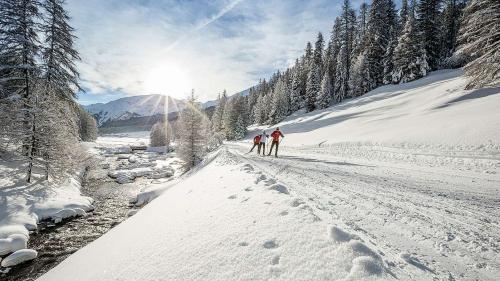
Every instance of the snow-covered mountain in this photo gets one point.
(134, 106)
(140, 106)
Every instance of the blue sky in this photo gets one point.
(137, 47)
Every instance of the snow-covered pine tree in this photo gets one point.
(319, 47)
(340, 89)
(334, 45)
(259, 112)
(325, 94)
(19, 47)
(403, 15)
(239, 115)
(59, 54)
(308, 57)
(451, 15)
(219, 112)
(429, 27)
(479, 39)
(160, 134)
(312, 87)
(347, 32)
(228, 120)
(56, 135)
(240, 128)
(192, 132)
(87, 125)
(387, 60)
(410, 61)
(380, 30)
(296, 96)
(361, 78)
(360, 33)
(280, 103)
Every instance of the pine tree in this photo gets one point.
(312, 88)
(360, 33)
(347, 32)
(240, 128)
(334, 45)
(308, 57)
(325, 93)
(59, 54)
(87, 125)
(280, 103)
(428, 15)
(228, 120)
(451, 24)
(192, 131)
(259, 112)
(479, 39)
(219, 112)
(296, 96)
(160, 134)
(410, 61)
(388, 61)
(19, 47)
(403, 15)
(361, 79)
(318, 52)
(380, 31)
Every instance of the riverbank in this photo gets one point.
(111, 199)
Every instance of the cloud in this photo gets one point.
(215, 45)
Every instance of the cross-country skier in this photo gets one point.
(262, 146)
(256, 142)
(276, 141)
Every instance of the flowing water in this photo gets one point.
(54, 243)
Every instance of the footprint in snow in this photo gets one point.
(270, 182)
(297, 202)
(339, 235)
(275, 260)
(260, 178)
(243, 244)
(284, 213)
(270, 244)
(249, 188)
(280, 188)
(232, 196)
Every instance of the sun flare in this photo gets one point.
(169, 80)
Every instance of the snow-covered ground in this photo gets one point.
(23, 205)
(400, 184)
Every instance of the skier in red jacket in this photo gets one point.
(276, 141)
(256, 142)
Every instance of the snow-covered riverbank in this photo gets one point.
(23, 207)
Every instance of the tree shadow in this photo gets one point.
(313, 160)
(476, 94)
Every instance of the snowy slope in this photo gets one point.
(400, 184)
(433, 110)
(146, 105)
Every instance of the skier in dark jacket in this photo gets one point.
(256, 142)
(276, 141)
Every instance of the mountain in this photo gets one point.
(134, 106)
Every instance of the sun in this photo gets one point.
(167, 79)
